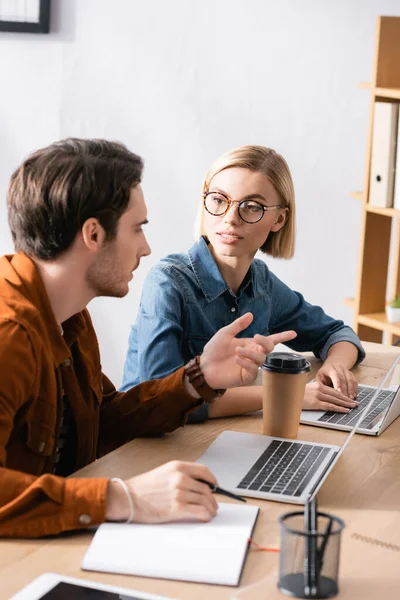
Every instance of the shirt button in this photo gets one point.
(85, 519)
(233, 309)
(42, 446)
(66, 362)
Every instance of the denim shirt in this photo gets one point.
(185, 301)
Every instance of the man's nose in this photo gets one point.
(146, 250)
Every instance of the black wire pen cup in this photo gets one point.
(309, 556)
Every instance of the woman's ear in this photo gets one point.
(280, 221)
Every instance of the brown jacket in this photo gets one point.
(37, 364)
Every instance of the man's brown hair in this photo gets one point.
(57, 188)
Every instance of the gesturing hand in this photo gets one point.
(228, 361)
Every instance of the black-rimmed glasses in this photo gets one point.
(250, 211)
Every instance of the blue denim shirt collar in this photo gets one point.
(208, 276)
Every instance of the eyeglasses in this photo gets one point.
(250, 211)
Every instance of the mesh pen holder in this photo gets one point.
(309, 556)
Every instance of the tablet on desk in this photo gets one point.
(51, 586)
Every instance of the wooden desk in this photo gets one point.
(363, 488)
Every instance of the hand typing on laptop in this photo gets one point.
(334, 387)
(318, 396)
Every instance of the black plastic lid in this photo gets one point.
(286, 362)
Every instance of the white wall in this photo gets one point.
(181, 82)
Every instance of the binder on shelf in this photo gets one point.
(384, 136)
(396, 197)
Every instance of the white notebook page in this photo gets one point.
(212, 552)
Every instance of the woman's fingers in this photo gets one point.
(352, 385)
(341, 378)
(339, 382)
(322, 397)
(327, 406)
(334, 395)
(336, 402)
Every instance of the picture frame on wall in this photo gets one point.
(25, 16)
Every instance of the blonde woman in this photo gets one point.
(247, 205)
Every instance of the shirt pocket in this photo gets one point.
(40, 437)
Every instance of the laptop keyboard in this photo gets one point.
(364, 395)
(284, 468)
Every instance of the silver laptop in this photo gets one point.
(384, 410)
(278, 469)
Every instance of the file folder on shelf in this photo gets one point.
(383, 154)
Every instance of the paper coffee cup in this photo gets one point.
(284, 378)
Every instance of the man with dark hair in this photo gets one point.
(76, 212)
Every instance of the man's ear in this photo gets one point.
(93, 234)
(280, 221)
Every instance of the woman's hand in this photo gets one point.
(323, 397)
(336, 375)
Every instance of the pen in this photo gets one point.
(218, 490)
(321, 551)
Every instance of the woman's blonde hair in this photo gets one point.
(279, 244)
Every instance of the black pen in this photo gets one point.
(218, 490)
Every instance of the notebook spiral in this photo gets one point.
(371, 540)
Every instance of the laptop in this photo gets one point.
(284, 470)
(384, 410)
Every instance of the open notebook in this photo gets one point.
(212, 552)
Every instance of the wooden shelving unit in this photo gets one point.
(387, 93)
(379, 321)
(376, 226)
(387, 212)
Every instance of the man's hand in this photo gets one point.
(168, 493)
(335, 374)
(228, 361)
(318, 396)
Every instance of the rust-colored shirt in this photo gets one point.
(38, 365)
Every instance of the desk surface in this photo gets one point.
(363, 488)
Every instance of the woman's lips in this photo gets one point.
(229, 238)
